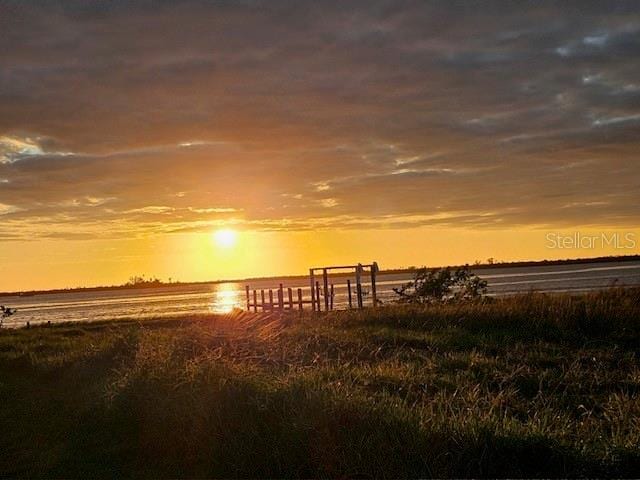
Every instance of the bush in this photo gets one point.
(442, 286)
(6, 312)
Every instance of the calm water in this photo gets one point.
(223, 297)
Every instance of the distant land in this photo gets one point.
(141, 282)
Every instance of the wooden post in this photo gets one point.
(359, 285)
(313, 295)
(325, 288)
(331, 297)
(262, 297)
(318, 296)
(280, 297)
(290, 292)
(349, 290)
(248, 302)
(299, 299)
(270, 299)
(255, 302)
(374, 297)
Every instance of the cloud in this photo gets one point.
(620, 40)
(5, 209)
(621, 120)
(158, 117)
(12, 149)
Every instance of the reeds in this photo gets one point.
(536, 385)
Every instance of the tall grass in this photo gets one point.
(536, 385)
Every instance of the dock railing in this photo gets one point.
(321, 294)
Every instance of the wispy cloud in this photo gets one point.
(12, 148)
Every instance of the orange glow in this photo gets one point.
(226, 298)
(185, 150)
(197, 257)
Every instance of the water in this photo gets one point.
(224, 297)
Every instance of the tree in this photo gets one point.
(142, 281)
(440, 286)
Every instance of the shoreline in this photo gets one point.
(486, 266)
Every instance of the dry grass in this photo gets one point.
(538, 385)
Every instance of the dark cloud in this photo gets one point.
(126, 118)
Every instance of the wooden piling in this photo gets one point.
(313, 294)
(325, 287)
(318, 288)
(331, 297)
(374, 297)
(359, 285)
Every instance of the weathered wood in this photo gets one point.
(331, 297)
(325, 288)
(359, 285)
(374, 297)
(313, 293)
(318, 289)
(338, 267)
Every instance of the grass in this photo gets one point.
(536, 385)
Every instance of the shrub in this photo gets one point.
(5, 312)
(441, 286)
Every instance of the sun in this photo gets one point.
(225, 238)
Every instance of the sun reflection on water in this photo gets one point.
(226, 297)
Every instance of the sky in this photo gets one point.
(320, 132)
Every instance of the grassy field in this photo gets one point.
(538, 385)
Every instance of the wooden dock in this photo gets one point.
(321, 294)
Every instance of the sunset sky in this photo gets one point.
(317, 132)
